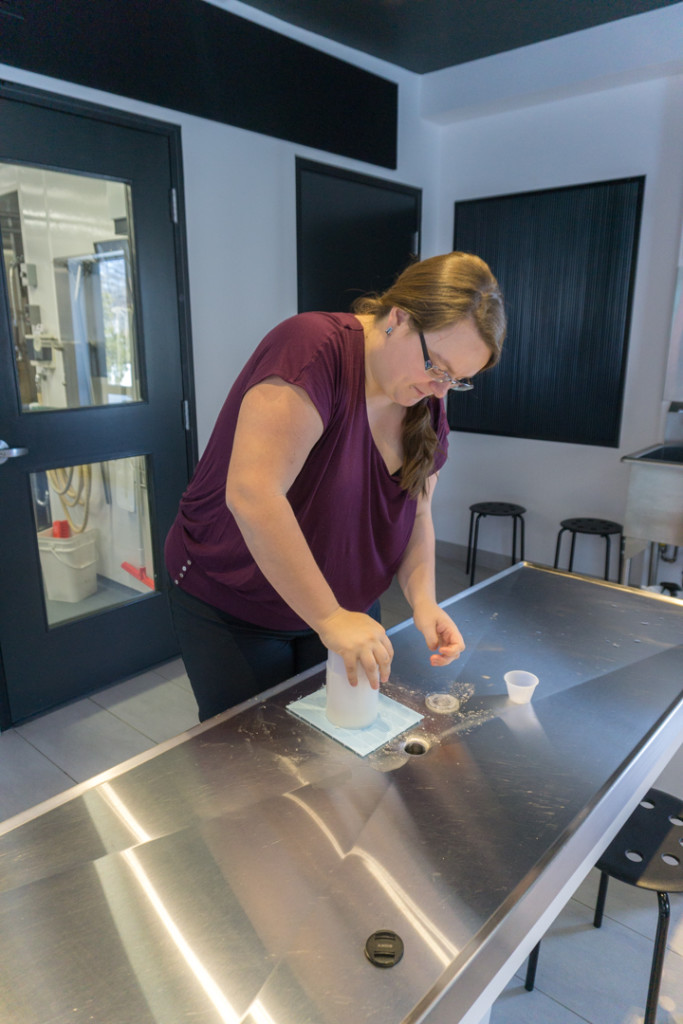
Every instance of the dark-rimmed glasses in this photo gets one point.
(440, 375)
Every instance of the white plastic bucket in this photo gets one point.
(69, 565)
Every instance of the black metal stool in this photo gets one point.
(647, 852)
(598, 527)
(493, 508)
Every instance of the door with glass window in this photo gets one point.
(93, 398)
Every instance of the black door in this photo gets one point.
(355, 234)
(93, 396)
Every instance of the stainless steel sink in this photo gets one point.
(654, 505)
(669, 454)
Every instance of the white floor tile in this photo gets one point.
(174, 669)
(671, 779)
(157, 707)
(26, 776)
(175, 672)
(633, 907)
(602, 974)
(517, 1006)
(84, 739)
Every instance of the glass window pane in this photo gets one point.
(94, 537)
(68, 249)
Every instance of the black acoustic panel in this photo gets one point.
(355, 234)
(192, 56)
(565, 259)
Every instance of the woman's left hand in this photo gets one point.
(441, 634)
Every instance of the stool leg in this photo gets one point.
(514, 540)
(469, 543)
(571, 552)
(607, 550)
(473, 561)
(657, 959)
(600, 902)
(532, 963)
(521, 538)
(620, 567)
(557, 548)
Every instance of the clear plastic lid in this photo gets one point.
(442, 703)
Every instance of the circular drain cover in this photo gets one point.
(443, 703)
(384, 949)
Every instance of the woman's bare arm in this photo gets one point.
(277, 427)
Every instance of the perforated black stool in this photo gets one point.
(647, 852)
(598, 527)
(493, 508)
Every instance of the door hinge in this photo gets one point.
(186, 414)
(173, 196)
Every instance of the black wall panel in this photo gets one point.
(565, 259)
(192, 56)
(355, 234)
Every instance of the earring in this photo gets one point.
(389, 330)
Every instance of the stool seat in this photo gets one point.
(605, 528)
(497, 508)
(647, 852)
(582, 524)
(480, 510)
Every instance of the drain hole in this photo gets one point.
(634, 856)
(415, 747)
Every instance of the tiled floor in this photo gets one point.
(584, 974)
(52, 753)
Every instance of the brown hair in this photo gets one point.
(435, 293)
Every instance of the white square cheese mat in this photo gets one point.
(392, 719)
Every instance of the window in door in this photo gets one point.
(68, 248)
(94, 536)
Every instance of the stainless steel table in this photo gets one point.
(235, 873)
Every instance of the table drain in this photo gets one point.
(384, 948)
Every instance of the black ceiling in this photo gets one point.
(426, 35)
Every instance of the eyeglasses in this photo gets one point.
(440, 375)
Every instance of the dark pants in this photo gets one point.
(229, 661)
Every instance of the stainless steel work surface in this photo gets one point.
(235, 875)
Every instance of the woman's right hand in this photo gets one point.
(358, 638)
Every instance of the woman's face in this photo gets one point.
(459, 351)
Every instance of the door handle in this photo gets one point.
(10, 453)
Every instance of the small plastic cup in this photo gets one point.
(521, 686)
(351, 707)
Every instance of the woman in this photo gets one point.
(315, 488)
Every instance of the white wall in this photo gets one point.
(634, 49)
(611, 133)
